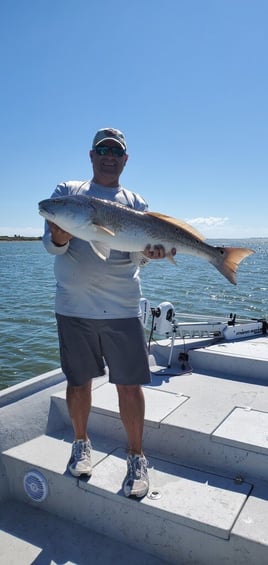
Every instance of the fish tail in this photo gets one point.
(228, 259)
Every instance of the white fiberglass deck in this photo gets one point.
(206, 440)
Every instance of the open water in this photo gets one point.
(28, 337)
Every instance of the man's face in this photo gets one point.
(108, 161)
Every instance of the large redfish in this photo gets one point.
(108, 225)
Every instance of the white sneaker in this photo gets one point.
(80, 460)
(136, 482)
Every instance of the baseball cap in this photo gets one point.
(109, 133)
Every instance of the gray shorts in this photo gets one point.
(86, 344)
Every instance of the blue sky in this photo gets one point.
(185, 80)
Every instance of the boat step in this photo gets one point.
(40, 538)
(247, 360)
(188, 516)
(197, 423)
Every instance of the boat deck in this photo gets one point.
(206, 440)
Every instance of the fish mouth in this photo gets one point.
(45, 213)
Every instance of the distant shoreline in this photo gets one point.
(19, 238)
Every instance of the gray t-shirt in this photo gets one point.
(87, 286)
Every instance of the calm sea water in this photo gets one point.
(28, 337)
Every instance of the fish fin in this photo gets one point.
(97, 227)
(100, 249)
(170, 258)
(228, 260)
(177, 223)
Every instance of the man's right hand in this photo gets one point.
(59, 237)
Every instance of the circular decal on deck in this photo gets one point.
(35, 486)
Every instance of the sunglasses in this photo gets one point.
(105, 150)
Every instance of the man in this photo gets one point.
(97, 311)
